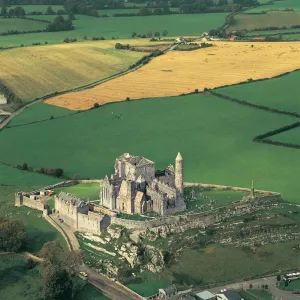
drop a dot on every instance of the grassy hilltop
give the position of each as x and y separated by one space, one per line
214 136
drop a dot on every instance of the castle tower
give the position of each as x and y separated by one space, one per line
179 173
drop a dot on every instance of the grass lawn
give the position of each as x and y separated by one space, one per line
149 288
13 176
256 21
40 8
290 136
276 5
39 111
217 263
213 135
39 231
17 281
84 191
33 72
90 293
269 93
293 285
264 295
201 200
122 27
20 24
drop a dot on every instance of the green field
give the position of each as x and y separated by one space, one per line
13 176
40 8
40 111
213 135
39 231
272 32
220 264
18 282
90 293
281 93
20 24
84 191
149 288
263 295
276 5
256 21
290 136
122 27
202 199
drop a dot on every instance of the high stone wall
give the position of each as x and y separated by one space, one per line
35 204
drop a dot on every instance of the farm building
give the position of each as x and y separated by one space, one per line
205 295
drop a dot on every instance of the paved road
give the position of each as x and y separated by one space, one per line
256 283
102 283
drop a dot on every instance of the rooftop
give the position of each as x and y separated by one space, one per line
206 295
72 199
135 160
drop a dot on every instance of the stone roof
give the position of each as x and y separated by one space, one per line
135 160
71 199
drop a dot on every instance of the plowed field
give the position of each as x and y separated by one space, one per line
182 72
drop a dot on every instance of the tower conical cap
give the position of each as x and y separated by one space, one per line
179 157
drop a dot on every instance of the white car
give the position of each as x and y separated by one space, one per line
83 274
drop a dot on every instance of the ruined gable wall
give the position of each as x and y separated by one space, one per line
147 171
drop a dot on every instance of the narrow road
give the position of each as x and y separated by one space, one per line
277 293
102 283
4 123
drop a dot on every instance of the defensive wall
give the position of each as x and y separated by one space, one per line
94 222
229 188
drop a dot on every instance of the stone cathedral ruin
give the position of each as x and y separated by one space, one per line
136 188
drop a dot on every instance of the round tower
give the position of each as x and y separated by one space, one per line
179 173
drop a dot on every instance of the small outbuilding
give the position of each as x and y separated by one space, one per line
168 292
205 295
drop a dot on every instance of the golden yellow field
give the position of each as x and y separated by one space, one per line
33 72
183 72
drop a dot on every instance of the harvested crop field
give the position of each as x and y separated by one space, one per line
37 71
182 72
270 19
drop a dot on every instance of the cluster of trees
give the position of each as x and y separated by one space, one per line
60 24
150 34
58 270
17 12
31 2
13 236
57 172
201 6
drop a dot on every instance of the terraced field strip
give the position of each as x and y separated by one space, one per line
276 5
177 72
7 24
270 19
34 72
